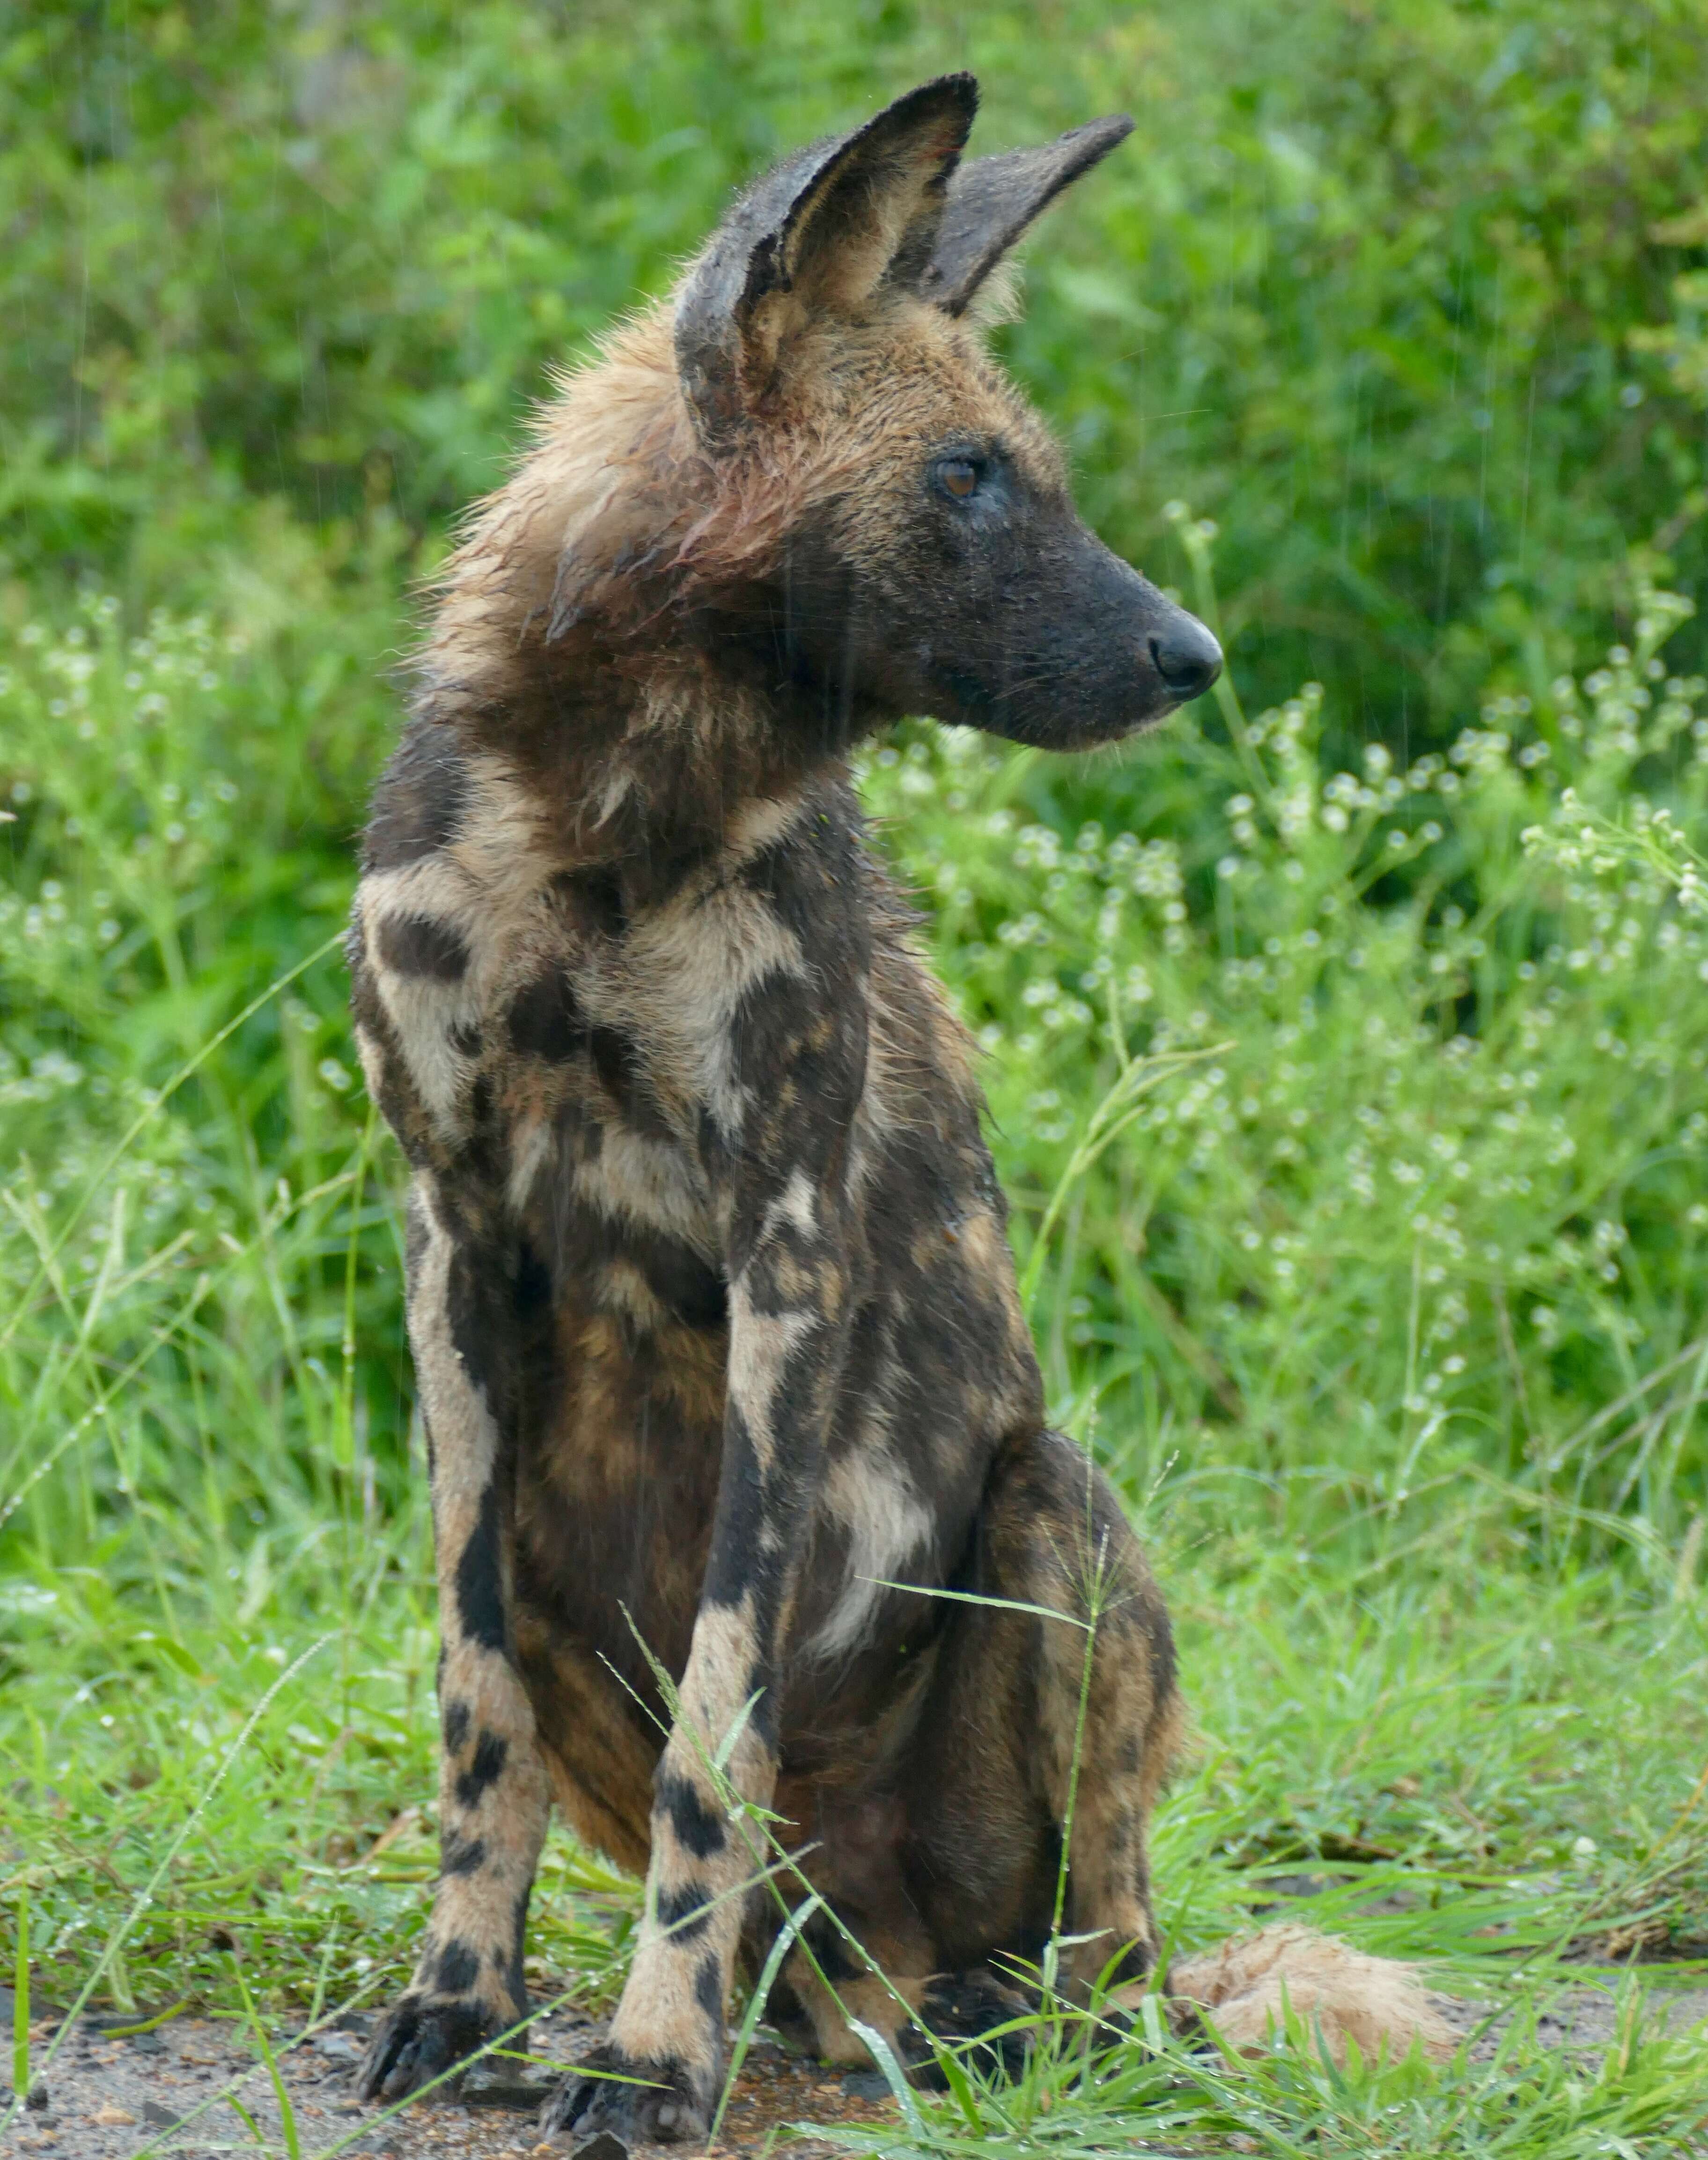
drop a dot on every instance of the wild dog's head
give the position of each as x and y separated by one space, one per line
926 555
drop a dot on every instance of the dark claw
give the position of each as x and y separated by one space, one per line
1183 2018
604 2114
418 2038
968 2005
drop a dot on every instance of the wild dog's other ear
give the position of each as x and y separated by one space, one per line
994 199
815 235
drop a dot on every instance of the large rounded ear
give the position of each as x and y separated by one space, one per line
815 235
992 201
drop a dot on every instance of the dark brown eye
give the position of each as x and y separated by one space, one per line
959 476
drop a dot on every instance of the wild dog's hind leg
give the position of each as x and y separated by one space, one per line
819 1998
996 1768
986 1786
867 1959
493 1792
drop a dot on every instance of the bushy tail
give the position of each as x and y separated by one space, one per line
1244 1987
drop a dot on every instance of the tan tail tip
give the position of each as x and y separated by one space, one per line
1246 1987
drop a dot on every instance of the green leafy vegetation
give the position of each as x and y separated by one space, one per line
1406 297
1347 1043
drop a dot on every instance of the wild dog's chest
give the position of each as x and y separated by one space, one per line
573 1048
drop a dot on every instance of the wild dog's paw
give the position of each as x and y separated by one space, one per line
1186 2021
418 2037
1122 2023
958 2006
639 2103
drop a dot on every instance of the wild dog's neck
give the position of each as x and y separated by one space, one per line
657 788
613 624
642 764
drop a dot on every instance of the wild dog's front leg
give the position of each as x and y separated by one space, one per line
493 1792
789 1300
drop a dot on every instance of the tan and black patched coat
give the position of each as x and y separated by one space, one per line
714 1322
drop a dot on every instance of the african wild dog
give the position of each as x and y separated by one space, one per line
713 1316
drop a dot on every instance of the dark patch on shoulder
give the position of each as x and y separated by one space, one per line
593 899
683 1283
713 1150
456 1726
771 875
533 1292
459 1969
544 1020
491 1752
624 1078
462 1856
424 946
580 1133
421 801
480 1584
811 875
697 1829
802 1047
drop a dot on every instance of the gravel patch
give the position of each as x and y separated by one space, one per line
1585 2019
191 2090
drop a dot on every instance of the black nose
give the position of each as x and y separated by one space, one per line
1186 656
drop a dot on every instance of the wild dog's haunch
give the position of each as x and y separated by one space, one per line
714 1322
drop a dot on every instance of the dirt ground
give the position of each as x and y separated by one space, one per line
194 2088
178 2090
1586 2018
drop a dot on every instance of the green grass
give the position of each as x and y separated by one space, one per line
1526 2101
1356 1126
1409 296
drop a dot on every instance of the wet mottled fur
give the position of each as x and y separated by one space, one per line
714 1322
